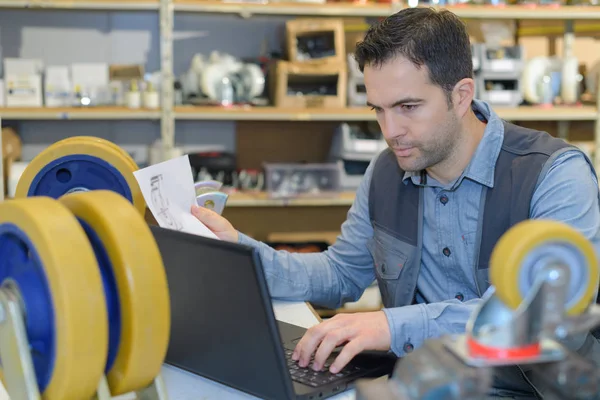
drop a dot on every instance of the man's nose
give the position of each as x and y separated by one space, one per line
393 127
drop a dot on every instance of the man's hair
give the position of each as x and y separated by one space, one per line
436 39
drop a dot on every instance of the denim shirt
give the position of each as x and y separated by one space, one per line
446 287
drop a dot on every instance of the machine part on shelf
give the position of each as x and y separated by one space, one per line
209 196
139 317
251 180
54 333
544 276
80 164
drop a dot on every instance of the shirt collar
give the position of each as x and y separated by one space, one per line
482 165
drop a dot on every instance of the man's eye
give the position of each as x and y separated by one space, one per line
409 107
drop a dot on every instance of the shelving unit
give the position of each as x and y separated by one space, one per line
168 114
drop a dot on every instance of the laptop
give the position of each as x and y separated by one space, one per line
223 326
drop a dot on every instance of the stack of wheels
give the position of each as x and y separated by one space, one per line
529 246
94 292
81 164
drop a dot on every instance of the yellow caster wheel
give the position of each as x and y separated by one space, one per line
79 164
530 245
47 262
135 287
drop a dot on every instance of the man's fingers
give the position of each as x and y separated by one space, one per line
331 340
348 352
208 217
309 342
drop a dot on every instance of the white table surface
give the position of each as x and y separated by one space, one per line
182 385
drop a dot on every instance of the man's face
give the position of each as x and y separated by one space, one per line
413 114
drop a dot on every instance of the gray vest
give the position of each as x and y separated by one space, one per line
396 210
396 214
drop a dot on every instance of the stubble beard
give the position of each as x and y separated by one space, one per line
438 150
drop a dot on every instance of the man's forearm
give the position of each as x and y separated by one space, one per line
304 276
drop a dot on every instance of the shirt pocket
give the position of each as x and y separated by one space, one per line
388 263
390 259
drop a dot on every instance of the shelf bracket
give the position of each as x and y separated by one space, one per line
167 117
1 165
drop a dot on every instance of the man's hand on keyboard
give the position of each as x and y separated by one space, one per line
359 331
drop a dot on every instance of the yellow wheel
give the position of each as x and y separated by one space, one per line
530 245
126 155
135 286
81 163
46 256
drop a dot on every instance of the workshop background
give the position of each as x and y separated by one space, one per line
263 96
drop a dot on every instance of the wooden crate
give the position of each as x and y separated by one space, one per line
290 77
329 29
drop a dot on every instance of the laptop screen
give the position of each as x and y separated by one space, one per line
222 323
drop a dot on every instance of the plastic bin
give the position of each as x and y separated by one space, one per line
302 180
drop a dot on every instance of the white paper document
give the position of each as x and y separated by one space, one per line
168 188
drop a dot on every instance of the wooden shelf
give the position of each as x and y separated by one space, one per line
535 12
74 113
576 113
249 113
82 4
383 9
291 8
261 199
207 113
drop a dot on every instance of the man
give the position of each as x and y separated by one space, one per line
432 206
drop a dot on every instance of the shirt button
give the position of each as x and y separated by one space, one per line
446 251
444 199
459 296
383 267
408 347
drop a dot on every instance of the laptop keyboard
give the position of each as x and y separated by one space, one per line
313 378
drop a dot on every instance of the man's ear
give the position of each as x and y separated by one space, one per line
462 95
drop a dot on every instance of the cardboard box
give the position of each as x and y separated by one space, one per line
23 82
311 40
57 87
300 85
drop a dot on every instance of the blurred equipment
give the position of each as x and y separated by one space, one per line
222 80
357 92
353 147
214 165
551 80
545 277
302 180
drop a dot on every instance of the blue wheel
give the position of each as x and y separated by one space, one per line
81 164
48 262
